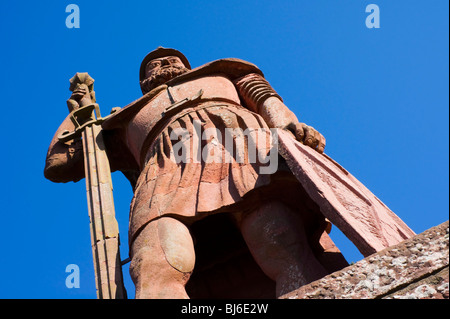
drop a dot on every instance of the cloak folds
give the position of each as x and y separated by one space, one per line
342 199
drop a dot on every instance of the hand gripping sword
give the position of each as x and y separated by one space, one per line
103 224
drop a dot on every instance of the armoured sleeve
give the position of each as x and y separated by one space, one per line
254 90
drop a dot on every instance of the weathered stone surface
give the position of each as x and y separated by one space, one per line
414 269
434 286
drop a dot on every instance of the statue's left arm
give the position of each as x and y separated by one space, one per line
260 97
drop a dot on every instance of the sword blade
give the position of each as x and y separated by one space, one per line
103 224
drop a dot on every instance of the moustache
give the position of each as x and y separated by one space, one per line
161 76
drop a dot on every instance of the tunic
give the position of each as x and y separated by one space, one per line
201 152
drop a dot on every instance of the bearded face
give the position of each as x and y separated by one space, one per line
159 71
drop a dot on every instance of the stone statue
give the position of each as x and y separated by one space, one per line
186 147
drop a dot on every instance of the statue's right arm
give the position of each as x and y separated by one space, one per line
64 162
259 96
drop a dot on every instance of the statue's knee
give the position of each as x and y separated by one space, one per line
177 245
162 259
163 247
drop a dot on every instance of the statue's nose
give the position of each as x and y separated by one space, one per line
164 62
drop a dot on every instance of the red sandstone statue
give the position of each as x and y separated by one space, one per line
282 216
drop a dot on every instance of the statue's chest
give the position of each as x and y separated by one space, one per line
201 89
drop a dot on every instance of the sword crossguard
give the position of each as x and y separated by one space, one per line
82 118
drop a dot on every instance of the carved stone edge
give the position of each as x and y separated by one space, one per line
416 268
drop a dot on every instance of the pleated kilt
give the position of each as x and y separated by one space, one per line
210 177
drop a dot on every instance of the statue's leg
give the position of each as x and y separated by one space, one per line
276 238
162 260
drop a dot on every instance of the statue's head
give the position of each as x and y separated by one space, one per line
161 65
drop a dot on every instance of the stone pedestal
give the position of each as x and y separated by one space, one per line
417 268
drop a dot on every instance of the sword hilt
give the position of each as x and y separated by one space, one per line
82 118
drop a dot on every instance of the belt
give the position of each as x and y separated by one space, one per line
177 110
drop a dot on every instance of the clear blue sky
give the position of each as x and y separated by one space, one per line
379 96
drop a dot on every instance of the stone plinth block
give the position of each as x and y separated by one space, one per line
416 268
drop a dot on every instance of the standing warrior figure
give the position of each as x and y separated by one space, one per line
283 226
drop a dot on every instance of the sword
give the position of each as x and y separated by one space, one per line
104 228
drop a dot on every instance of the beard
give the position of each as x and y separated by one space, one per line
160 77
